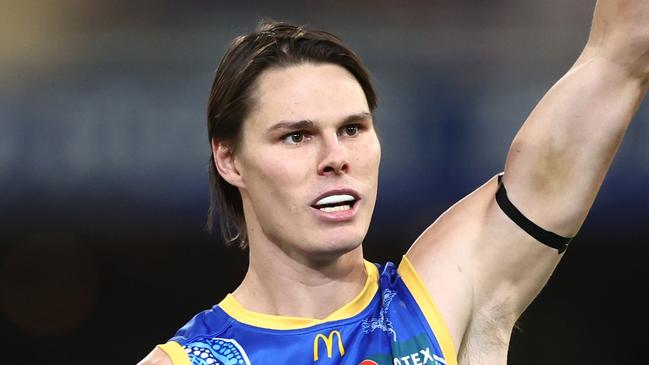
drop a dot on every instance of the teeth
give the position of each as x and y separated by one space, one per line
336 209
335 199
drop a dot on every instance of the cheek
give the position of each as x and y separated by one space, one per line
272 176
369 158
377 154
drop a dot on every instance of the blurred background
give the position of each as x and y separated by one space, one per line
104 151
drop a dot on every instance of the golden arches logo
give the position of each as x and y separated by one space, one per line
328 341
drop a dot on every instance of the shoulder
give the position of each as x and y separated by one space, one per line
210 322
156 357
446 257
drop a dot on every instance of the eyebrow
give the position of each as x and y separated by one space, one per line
309 124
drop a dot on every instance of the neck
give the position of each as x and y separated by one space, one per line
278 284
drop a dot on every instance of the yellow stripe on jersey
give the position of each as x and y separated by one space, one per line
235 310
175 352
416 287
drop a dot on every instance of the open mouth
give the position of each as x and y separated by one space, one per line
335 203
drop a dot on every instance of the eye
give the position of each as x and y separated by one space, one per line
351 130
294 137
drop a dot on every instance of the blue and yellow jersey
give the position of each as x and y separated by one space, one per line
393 321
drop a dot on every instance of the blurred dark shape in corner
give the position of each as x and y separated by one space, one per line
48 284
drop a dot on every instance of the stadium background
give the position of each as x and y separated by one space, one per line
103 155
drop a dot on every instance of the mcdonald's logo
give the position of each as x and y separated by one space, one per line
328 341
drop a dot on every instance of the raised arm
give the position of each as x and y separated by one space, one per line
481 268
559 158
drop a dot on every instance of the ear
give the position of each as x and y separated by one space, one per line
225 162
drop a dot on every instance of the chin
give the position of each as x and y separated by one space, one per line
337 245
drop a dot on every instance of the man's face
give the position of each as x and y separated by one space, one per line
308 160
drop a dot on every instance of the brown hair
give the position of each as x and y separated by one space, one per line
273 44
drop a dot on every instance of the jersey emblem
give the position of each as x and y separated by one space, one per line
328 341
382 322
216 351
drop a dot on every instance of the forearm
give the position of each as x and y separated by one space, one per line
558 160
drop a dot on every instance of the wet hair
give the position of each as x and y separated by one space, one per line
272 45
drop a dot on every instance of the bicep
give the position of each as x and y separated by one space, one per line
559 158
475 260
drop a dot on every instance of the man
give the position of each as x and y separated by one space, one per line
295 169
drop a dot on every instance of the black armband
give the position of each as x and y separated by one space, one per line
546 237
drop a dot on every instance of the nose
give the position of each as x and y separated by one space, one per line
334 160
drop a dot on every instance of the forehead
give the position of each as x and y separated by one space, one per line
307 91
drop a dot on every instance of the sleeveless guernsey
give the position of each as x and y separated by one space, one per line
393 321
